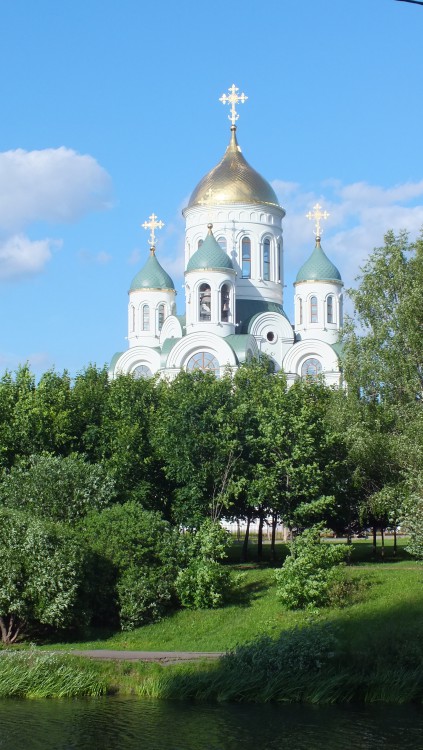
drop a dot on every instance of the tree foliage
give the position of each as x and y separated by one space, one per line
42 572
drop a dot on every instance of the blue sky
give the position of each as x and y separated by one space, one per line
110 111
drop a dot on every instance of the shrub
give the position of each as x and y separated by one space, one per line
135 562
144 596
309 573
42 573
204 582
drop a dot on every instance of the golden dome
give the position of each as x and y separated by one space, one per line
233 181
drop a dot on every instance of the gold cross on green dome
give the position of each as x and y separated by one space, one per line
152 225
317 214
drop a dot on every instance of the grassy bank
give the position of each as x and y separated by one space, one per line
34 674
369 651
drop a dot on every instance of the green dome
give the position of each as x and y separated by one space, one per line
209 255
318 267
152 276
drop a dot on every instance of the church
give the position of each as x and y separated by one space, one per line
234 285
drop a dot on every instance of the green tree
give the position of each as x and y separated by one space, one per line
42 574
195 439
135 555
384 341
57 488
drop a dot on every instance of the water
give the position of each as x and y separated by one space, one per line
133 724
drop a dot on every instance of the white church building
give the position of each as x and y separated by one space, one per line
234 286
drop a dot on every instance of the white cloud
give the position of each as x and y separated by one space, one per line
101 258
52 185
21 257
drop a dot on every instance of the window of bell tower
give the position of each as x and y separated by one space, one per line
225 304
204 300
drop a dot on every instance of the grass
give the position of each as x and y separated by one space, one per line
379 636
31 674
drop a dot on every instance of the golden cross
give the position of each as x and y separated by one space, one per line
317 214
233 98
152 225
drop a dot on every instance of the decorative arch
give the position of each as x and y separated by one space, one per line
310 349
196 342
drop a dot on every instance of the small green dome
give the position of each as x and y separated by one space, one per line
209 255
318 267
152 276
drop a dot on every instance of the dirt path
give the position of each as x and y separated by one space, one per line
162 657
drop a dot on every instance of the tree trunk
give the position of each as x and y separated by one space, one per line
382 538
244 550
273 542
395 541
9 629
260 537
374 540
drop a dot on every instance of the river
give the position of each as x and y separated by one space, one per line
134 724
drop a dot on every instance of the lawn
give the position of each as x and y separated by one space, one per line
390 601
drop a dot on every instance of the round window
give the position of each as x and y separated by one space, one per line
142 371
270 336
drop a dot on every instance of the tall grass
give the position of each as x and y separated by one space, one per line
26 674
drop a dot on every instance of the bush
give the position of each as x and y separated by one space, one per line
42 576
204 582
144 596
135 563
310 572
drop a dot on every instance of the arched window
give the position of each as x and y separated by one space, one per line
160 316
142 371
313 310
311 368
203 361
133 317
278 260
246 258
204 301
329 309
266 259
145 318
200 242
300 312
225 303
223 244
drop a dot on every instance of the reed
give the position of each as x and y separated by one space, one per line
29 674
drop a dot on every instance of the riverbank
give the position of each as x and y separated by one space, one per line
371 650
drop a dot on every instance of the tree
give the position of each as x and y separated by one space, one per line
383 366
57 488
134 564
194 437
42 574
384 342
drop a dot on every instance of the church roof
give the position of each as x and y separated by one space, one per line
152 275
209 255
247 309
233 181
318 267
